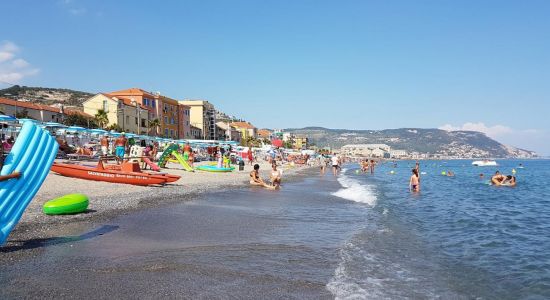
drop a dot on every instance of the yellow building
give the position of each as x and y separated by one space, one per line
129 115
246 129
300 142
203 116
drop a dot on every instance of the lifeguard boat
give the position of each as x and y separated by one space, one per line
128 172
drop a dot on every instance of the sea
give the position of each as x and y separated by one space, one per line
352 236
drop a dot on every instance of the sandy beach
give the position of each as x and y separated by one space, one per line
108 200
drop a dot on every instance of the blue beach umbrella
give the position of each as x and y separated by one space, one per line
76 128
7 118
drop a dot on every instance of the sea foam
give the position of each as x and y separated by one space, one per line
352 189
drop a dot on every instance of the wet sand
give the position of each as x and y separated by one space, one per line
244 243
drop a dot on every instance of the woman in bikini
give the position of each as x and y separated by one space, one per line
275 176
414 182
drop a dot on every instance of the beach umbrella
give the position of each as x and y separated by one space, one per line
26 120
277 143
7 118
75 128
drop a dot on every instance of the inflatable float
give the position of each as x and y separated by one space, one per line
166 155
182 162
32 155
209 168
68 204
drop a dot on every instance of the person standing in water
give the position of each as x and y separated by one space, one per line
335 164
414 182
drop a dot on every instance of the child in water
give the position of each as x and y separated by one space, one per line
414 182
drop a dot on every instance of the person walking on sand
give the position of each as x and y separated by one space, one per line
250 156
104 145
414 182
120 146
335 164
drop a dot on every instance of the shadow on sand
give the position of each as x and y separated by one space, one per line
46 242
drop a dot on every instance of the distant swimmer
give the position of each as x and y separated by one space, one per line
414 182
450 174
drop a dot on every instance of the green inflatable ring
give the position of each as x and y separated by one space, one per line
68 204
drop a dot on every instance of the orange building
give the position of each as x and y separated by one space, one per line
163 108
169 116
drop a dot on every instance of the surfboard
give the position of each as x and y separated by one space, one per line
32 155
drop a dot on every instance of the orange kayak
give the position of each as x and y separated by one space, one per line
128 173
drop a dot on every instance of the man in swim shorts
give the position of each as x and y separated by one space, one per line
104 145
120 146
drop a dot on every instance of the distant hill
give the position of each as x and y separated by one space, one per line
48 96
434 141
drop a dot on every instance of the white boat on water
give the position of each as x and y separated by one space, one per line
485 163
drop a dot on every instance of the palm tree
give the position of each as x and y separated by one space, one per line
101 118
154 124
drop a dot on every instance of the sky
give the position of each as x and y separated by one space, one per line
471 64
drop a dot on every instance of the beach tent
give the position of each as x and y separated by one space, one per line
277 143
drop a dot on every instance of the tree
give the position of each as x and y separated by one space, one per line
79 120
22 114
114 127
101 118
154 124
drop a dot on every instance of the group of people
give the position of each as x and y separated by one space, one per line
503 180
274 177
367 165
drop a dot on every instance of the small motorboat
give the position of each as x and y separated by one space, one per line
127 172
485 163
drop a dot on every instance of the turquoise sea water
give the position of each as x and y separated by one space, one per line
458 237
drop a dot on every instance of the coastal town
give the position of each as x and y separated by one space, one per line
141 112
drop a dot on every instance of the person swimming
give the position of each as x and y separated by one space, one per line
497 179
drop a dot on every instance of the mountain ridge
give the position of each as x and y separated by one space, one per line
437 142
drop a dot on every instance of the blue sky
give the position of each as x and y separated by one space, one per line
481 65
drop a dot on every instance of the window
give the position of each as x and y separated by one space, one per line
172 121
166 131
127 119
145 101
143 123
165 119
165 107
105 106
171 132
152 103
187 123
136 120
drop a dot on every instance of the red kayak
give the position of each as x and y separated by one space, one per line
128 172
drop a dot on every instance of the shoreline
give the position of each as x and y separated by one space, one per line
110 200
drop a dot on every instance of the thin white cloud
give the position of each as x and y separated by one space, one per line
532 139
491 131
12 68
77 11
